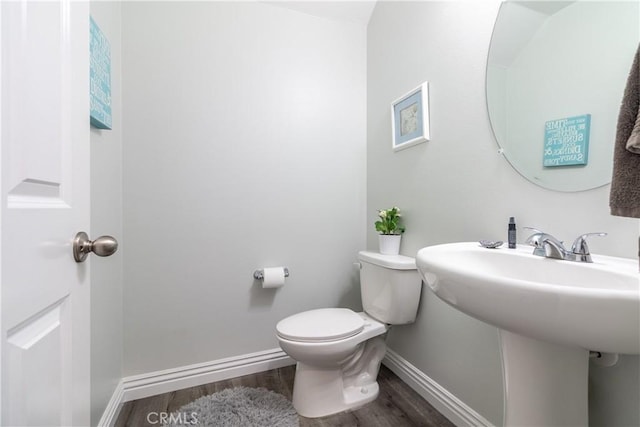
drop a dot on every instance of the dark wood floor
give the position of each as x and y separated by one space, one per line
396 406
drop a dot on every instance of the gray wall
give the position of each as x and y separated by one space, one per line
457 188
246 147
106 218
245 129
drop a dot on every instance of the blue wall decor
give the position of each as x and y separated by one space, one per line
566 141
100 78
410 118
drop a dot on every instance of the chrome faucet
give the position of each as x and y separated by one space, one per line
548 246
540 239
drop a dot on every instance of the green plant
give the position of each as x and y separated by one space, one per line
389 222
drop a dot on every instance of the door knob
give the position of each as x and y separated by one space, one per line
102 246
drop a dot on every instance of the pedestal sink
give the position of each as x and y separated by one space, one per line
550 314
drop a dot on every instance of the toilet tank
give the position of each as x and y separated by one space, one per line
390 286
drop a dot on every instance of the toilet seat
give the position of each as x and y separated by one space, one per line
321 325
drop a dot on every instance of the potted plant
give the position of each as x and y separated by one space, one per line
390 231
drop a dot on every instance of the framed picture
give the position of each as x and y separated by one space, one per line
410 118
100 115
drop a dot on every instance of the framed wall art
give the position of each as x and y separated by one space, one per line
99 78
410 118
566 141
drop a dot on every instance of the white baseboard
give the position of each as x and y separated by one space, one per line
440 398
145 385
152 383
111 412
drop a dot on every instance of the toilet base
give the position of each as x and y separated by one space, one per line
320 392
334 376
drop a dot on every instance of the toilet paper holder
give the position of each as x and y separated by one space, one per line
259 274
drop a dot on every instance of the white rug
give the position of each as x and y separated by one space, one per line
237 407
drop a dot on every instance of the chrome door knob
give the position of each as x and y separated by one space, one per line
102 246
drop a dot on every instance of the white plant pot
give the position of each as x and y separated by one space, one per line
389 244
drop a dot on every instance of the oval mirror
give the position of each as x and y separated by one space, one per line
556 72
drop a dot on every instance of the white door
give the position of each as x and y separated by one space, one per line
45 200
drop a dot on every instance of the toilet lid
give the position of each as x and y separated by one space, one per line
325 324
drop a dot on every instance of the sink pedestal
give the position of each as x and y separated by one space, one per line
545 384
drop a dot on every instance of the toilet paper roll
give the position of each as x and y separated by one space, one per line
273 277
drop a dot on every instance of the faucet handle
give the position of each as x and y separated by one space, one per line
535 230
580 246
534 239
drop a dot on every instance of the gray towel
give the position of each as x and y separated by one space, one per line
633 143
624 198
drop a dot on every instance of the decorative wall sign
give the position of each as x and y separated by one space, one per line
100 78
410 118
566 141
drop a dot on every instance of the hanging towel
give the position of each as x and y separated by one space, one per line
624 199
633 143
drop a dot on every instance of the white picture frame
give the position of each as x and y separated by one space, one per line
410 118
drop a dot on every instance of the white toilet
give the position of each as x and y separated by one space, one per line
338 350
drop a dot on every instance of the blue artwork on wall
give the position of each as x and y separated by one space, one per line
566 141
100 78
410 118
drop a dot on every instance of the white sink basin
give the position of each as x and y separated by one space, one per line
549 312
595 306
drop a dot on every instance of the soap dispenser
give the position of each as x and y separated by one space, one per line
511 233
